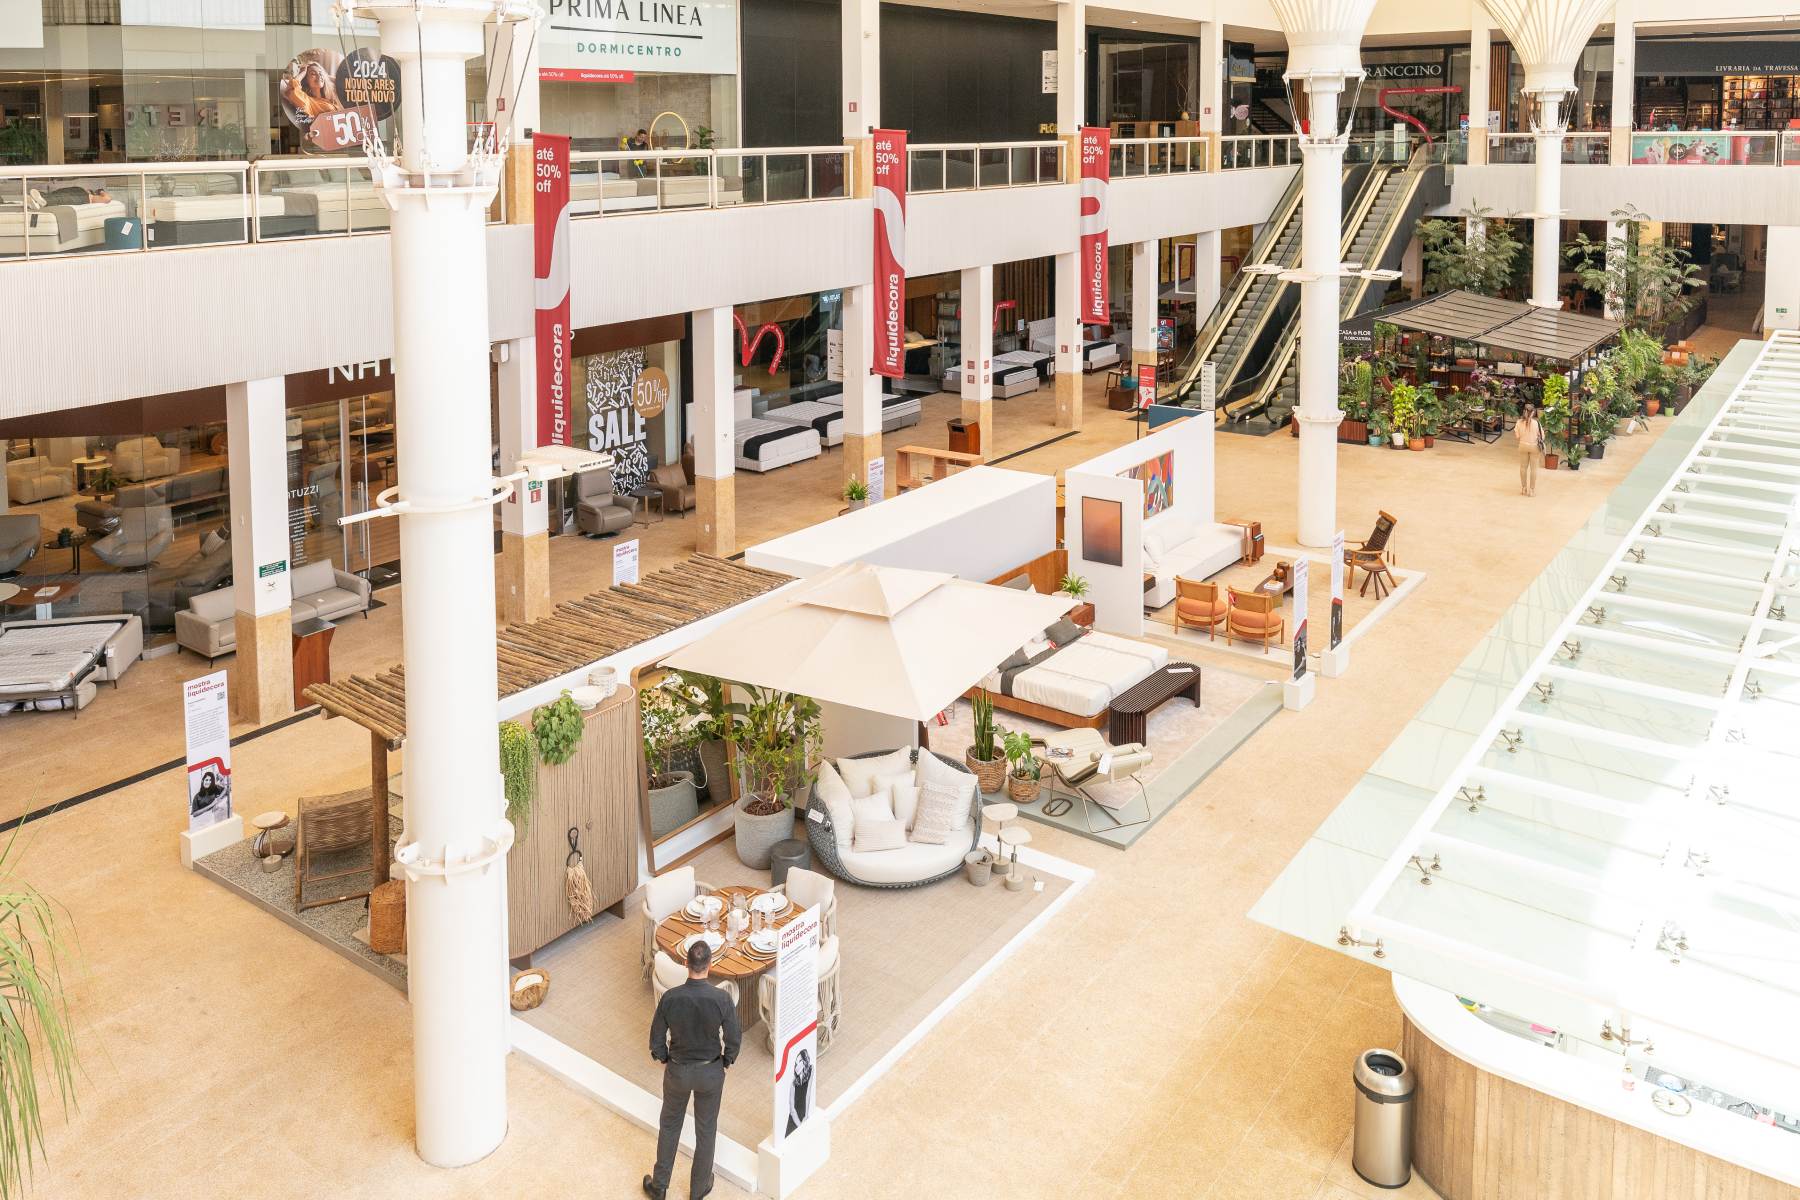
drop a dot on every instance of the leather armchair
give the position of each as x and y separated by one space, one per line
207 568
144 458
672 482
102 516
18 539
598 509
29 480
143 534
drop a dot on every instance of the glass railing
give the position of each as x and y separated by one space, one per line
316 197
53 211
624 181
1135 157
972 166
1259 150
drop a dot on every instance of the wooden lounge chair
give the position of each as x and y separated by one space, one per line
1200 605
1255 616
330 824
1374 556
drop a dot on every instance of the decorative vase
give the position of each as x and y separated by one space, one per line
1653 406
979 866
718 778
1415 443
1375 439
606 679
857 504
756 834
990 774
674 804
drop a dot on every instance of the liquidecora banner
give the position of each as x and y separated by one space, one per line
1096 153
890 252
550 221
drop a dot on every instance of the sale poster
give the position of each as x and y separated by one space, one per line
890 252
1096 151
550 273
1337 589
1302 568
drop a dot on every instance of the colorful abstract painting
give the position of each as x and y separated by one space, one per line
1158 477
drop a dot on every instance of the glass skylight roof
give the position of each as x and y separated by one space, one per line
1605 796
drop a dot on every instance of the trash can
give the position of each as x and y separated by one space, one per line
1382 1150
965 436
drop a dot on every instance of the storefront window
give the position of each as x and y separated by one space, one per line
632 402
1153 82
783 348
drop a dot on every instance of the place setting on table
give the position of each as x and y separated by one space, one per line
740 924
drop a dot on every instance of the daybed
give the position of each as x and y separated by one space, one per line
56 663
1176 546
911 865
1073 683
763 445
56 228
208 625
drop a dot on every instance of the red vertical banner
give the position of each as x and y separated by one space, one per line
1096 154
550 270
890 252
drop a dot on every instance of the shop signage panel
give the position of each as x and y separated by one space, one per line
335 100
890 252
876 477
1049 71
625 562
1301 569
1337 589
614 422
682 37
1697 149
1717 56
834 355
550 245
796 1092
585 75
1146 384
206 706
1405 71
1096 151
341 382
650 393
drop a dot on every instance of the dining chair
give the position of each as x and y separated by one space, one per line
807 888
1199 604
831 1001
663 895
667 973
1255 617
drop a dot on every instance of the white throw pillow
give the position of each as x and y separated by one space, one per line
860 774
836 798
906 801
880 835
933 771
872 809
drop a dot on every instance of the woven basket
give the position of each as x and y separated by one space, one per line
387 918
1021 788
989 776
528 988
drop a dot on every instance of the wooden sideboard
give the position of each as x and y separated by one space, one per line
596 793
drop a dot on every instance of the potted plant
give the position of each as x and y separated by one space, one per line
1594 425
518 775
1022 778
667 731
856 493
776 746
1431 414
1405 400
711 717
1555 417
1381 427
38 1055
983 756
1354 397
1074 586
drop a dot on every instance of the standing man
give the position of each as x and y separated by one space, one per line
695 1036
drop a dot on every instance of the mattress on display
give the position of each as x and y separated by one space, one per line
763 445
45 660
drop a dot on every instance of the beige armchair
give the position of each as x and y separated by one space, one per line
29 480
807 888
144 458
667 973
677 493
18 539
1090 760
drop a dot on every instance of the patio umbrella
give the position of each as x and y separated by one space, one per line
884 639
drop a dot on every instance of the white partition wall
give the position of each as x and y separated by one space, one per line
1103 529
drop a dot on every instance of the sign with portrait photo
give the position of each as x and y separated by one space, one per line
1302 569
206 705
796 1024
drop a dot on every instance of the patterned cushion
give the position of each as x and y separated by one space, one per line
880 835
931 770
936 819
860 774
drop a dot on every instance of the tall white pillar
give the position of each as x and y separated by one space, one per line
1480 53
715 460
1146 285
262 673
1071 74
1624 80
977 303
1212 88
1067 305
525 517
1208 259
513 100
1321 217
1546 227
1071 115
453 850
861 30
1781 279
862 388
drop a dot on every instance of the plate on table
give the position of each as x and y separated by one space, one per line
763 941
771 903
702 907
713 940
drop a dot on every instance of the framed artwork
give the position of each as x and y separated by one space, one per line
1158 478
1103 531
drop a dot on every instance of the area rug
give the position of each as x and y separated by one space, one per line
904 952
1187 742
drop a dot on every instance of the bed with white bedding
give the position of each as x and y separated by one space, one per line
1043 364
1074 684
763 445
826 417
59 660
1098 355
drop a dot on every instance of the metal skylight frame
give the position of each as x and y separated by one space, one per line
1760 422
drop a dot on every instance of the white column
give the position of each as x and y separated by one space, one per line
1067 303
453 851
861 26
1624 80
1071 74
714 417
862 388
1321 217
1781 286
525 517
1480 51
262 673
1071 115
1146 283
1212 88
1546 228
1208 257
977 292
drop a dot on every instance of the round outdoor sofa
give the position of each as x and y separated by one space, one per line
914 865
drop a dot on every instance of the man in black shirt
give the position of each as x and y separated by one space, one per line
695 1036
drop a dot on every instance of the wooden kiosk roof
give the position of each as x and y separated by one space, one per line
1507 325
579 632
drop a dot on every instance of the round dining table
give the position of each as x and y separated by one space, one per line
734 962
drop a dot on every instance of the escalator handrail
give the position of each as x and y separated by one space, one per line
1209 334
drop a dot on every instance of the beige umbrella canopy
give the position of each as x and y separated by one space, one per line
888 640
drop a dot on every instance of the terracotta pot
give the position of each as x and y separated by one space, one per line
1430 440
1417 443
989 775
1653 406
1550 461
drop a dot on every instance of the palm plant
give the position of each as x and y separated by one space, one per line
37 1045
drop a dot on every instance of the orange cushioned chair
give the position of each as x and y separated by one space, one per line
1255 617
1200 605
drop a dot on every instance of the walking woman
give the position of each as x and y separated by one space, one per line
1531 446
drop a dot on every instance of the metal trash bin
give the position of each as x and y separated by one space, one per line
1382 1150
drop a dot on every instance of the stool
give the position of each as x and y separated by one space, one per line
785 857
122 233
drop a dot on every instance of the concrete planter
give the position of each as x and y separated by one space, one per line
756 835
674 805
718 778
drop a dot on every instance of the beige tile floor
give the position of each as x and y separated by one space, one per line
1155 1043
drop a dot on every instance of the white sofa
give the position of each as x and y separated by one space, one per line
141 458
1177 545
208 625
29 480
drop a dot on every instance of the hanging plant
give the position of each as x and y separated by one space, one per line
518 770
557 727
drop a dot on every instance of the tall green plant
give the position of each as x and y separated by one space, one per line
664 716
981 706
1472 251
777 747
37 1042
1403 403
1643 279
